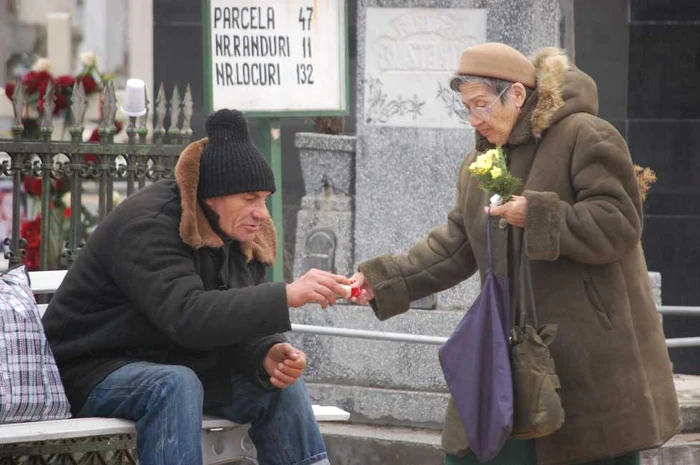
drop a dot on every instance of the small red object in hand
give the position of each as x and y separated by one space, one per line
351 291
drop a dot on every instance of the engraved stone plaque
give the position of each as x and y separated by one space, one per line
411 54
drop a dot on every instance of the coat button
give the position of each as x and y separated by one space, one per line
503 223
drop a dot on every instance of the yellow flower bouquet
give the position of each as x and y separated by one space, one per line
493 175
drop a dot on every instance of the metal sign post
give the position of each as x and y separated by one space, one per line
273 59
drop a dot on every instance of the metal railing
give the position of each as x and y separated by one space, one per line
679 310
76 163
439 340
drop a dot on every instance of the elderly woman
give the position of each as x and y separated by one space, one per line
580 215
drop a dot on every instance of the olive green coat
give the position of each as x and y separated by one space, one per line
584 222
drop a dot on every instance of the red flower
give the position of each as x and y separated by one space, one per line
43 86
61 103
36 81
32 185
65 81
95 136
31 232
66 212
89 83
10 89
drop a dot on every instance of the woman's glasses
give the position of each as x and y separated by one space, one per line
482 113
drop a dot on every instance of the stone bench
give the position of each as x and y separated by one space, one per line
112 440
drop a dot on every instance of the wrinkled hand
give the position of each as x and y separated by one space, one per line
316 286
284 364
514 211
359 281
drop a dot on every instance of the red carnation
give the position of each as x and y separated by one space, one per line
89 83
36 81
43 86
10 89
61 102
30 82
31 232
32 185
65 81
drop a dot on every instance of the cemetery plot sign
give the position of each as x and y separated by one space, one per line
276 57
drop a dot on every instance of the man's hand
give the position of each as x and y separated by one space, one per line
514 211
358 281
284 364
317 286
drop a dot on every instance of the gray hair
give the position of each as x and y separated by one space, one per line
495 84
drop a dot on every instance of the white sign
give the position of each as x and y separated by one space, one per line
277 56
411 55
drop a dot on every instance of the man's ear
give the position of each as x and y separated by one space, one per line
209 203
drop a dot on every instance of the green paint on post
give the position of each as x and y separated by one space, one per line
270 144
206 31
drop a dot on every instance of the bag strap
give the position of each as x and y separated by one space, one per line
489 252
525 294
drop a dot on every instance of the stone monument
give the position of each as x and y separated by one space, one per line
324 237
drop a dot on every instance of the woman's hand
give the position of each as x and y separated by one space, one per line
514 211
358 281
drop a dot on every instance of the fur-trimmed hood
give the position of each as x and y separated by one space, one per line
195 229
562 89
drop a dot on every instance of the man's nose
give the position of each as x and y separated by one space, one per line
261 213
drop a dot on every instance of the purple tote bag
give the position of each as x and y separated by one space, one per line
476 365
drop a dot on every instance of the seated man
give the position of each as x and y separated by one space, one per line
167 314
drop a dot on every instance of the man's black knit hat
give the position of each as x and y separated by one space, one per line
231 163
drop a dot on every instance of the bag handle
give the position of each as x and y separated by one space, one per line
524 288
489 254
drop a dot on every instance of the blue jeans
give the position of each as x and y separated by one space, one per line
167 401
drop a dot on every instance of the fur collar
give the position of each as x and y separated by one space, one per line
551 65
195 229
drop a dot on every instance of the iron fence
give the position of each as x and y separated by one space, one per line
77 163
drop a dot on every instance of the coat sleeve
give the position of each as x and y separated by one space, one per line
605 221
156 270
439 261
248 357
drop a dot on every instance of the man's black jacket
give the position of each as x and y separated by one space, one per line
156 283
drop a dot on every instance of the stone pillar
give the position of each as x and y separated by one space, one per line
325 221
59 36
104 32
140 47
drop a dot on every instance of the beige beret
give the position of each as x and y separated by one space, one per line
496 61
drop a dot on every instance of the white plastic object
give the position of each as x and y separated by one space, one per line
134 103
